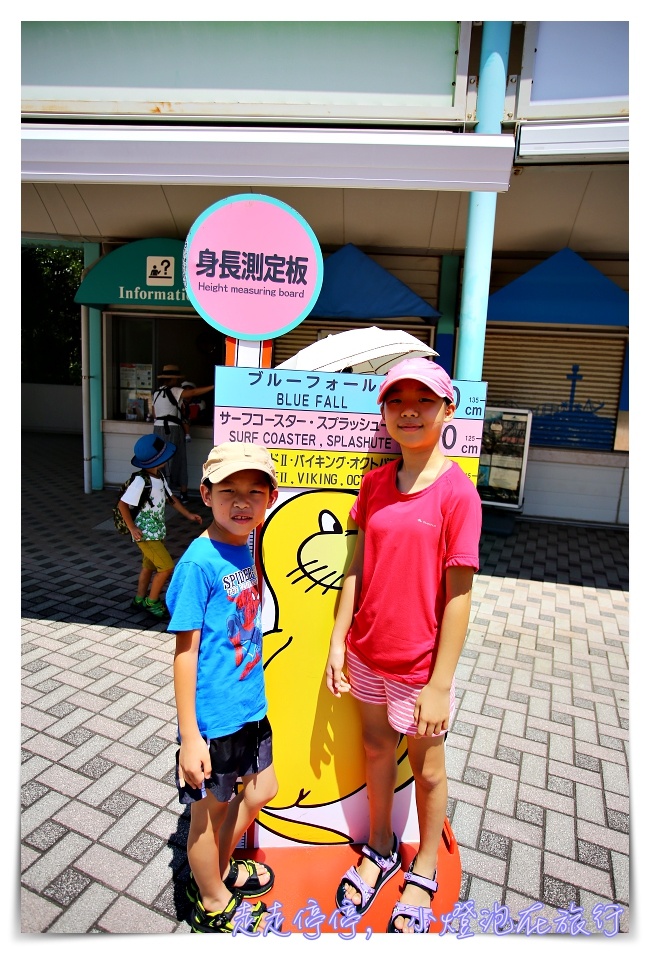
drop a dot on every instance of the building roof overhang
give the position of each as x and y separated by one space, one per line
350 158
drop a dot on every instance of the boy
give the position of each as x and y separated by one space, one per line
223 729
148 529
400 627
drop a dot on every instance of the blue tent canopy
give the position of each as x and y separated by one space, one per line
354 286
562 290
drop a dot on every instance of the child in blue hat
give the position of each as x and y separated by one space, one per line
148 528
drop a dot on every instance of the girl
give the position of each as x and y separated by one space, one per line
400 628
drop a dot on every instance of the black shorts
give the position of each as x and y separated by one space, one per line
242 753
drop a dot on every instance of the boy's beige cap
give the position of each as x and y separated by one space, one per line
226 459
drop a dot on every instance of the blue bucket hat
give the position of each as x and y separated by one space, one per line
150 451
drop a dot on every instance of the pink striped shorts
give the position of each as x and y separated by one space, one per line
398 697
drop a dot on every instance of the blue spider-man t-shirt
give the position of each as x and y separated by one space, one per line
214 589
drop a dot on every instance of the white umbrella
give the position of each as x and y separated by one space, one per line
364 350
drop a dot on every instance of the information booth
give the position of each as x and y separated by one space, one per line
147 321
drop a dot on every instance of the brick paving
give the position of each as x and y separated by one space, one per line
538 755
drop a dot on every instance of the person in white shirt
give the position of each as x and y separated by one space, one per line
168 422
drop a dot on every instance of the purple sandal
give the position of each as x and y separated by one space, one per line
388 866
418 917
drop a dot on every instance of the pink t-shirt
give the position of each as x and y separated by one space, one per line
410 541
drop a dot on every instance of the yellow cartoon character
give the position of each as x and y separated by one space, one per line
306 545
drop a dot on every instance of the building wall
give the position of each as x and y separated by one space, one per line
577 485
250 71
550 204
51 408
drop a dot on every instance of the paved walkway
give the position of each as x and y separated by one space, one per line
537 759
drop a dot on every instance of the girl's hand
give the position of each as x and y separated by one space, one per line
431 713
194 764
337 681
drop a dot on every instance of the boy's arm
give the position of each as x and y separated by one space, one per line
177 505
125 510
194 759
336 679
432 707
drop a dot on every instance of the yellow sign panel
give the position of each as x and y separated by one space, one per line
469 466
311 470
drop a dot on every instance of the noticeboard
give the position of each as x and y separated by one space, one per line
504 453
324 429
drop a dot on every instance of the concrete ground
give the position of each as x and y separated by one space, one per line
537 759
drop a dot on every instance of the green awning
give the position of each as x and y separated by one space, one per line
144 273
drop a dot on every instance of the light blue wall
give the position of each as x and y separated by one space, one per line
304 60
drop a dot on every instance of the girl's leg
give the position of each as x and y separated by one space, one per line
427 759
256 792
206 818
380 747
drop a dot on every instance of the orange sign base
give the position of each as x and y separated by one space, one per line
311 873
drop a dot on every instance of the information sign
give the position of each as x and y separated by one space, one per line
324 429
252 267
504 454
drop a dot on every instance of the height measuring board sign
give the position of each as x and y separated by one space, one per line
324 429
252 267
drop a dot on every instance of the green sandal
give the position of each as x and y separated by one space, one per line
223 922
251 888
156 607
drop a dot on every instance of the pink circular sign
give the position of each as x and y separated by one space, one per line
252 267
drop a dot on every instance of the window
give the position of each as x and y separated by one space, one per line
140 345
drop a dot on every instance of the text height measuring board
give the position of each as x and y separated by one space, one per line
323 429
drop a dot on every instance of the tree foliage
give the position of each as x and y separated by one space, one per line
51 322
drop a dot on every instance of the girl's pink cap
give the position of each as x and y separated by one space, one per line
419 369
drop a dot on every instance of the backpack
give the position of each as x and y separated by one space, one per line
145 498
192 410
166 418
164 392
